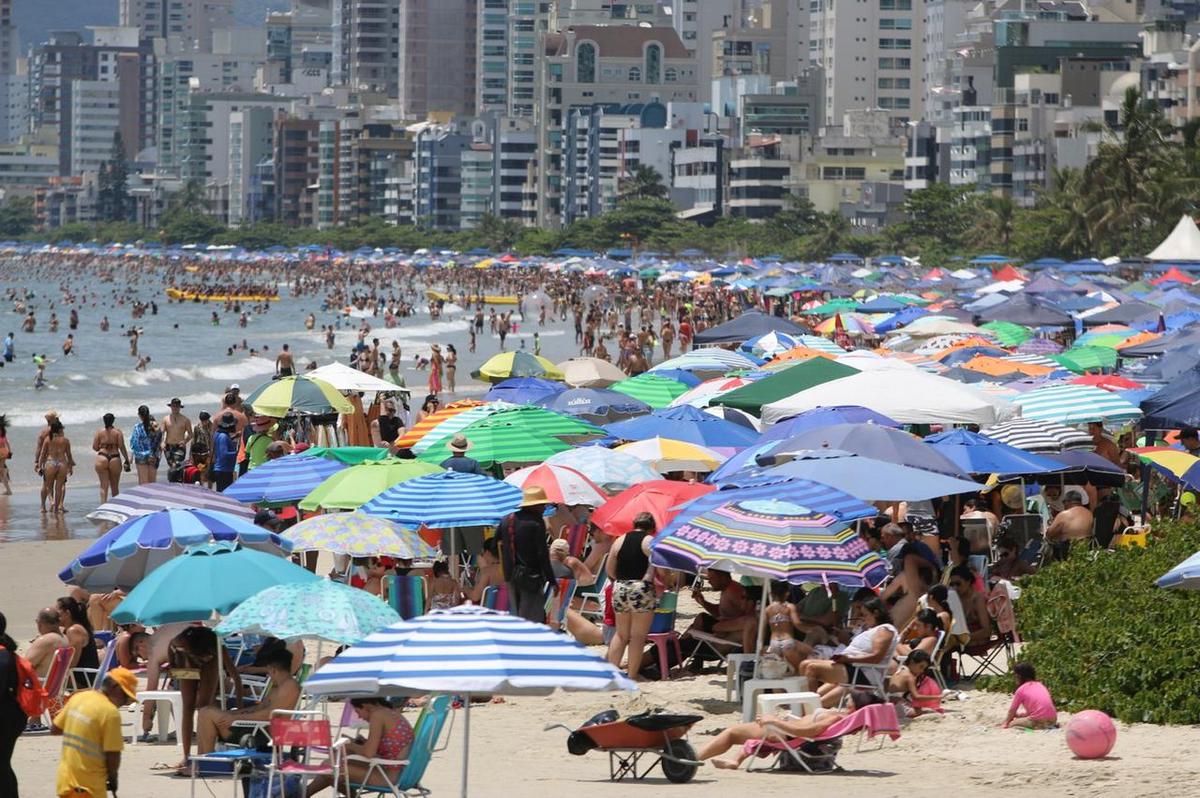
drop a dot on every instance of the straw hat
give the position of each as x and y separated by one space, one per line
534 496
1011 497
459 443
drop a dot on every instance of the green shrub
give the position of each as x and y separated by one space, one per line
1102 635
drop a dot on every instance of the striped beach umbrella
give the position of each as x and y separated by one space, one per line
771 344
446 499
710 389
358 534
125 554
350 488
665 455
495 441
563 485
711 358
1074 404
454 424
1007 333
1082 359
155 496
516 364
287 479
422 427
320 610
770 538
819 343
816 496
611 470
299 394
1042 437
652 389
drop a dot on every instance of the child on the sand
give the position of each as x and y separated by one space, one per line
1032 707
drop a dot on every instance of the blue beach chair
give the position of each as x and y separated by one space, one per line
426 732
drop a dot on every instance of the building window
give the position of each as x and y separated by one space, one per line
585 63
670 75
654 64
635 75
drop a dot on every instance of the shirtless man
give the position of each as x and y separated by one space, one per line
1074 522
177 433
284 365
49 639
979 623
730 616
154 650
1103 445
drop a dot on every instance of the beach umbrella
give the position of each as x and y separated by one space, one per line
978 454
785 383
1039 436
709 389
124 555
863 477
819 343
662 498
1074 404
1185 576
287 479
154 496
1108 382
456 423
773 539
652 389
350 455
523 390
1007 333
417 431
769 345
750 324
735 416
357 534
1089 468
594 405
1039 346
205 579
665 455
816 496
297 394
875 441
685 423
318 610
516 364
609 469
350 488
446 499
1082 359
1177 466
820 417
345 378
497 441
563 485
590 372
465 650
707 359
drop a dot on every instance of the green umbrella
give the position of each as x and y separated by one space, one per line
649 273
353 487
297 395
655 391
208 578
320 610
351 455
536 421
1082 359
782 384
833 306
500 442
1008 333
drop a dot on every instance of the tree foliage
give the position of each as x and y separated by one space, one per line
112 192
16 217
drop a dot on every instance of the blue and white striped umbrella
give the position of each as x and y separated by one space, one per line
125 554
1074 404
770 344
711 358
1186 575
446 499
288 479
819 343
154 496
609 469
466 649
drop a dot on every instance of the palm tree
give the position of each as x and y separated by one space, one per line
643 183
993 226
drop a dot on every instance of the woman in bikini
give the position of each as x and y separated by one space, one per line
109 446
451 367
389 736
784 619
914 680
55 464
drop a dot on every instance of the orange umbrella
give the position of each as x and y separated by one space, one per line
800 353
974 340
1140 338
433 419
996 366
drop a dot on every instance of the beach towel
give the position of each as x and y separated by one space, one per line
406 594
871 720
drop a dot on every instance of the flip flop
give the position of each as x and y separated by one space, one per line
163 766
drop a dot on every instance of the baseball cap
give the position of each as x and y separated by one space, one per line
127 681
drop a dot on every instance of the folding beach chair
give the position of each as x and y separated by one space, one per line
55 685
426 732
83 678
975 530
406 595
819 754
495 598
1003 641
591 603
557 603
300 732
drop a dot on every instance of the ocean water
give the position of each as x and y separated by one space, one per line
188 359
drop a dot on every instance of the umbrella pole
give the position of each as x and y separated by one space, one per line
466 740
762 625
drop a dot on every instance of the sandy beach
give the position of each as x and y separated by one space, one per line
511 754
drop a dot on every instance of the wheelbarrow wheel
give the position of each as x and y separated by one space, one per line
679 772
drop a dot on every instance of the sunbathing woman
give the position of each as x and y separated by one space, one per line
871 647
765 726
784 618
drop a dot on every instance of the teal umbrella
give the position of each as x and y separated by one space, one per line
208 578
320 610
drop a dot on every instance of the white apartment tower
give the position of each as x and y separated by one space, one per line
507 57
366 45
189 21
871 52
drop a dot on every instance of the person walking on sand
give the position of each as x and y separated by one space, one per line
146 443
109 446
436 363
55 464
451 368
177 432
90 725
12 717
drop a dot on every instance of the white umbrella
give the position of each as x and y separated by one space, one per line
344 378
590 372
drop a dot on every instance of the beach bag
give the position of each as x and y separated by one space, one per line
31 696
773 666
283 787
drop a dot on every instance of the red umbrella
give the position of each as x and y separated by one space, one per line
562 485
658 497
1109 382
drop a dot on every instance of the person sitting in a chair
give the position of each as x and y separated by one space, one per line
731 616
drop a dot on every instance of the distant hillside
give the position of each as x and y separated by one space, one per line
36 18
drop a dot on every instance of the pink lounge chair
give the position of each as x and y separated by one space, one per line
819 754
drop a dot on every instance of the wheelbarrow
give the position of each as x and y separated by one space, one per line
638 744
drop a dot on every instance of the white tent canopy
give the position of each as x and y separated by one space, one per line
1183 244
910 397
344 378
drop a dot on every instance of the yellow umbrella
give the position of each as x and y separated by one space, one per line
666 454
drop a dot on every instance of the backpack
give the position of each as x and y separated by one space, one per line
30 695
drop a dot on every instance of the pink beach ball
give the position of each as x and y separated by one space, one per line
1091 734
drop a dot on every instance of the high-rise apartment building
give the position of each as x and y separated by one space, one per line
436 57
872 56
14 82
366 47
9 44
506 50
191 22
300 39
